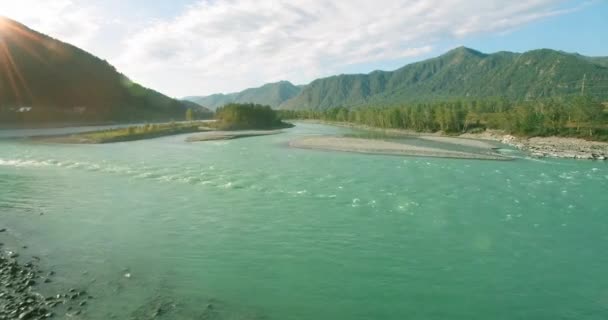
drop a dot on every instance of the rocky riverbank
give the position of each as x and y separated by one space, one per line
552 147
20 297
374 146
229 135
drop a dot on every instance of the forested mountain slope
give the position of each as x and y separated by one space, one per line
459 74
43 80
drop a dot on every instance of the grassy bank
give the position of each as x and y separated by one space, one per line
148 131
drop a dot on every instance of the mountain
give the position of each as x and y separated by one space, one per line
602 61
45 80
462 73
272 94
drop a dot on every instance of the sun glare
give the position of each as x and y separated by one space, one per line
17 82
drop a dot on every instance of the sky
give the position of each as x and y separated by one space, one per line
199 47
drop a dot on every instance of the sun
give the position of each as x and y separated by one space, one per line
14 35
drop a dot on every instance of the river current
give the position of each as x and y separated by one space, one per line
253 229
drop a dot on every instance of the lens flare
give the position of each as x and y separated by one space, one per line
17 40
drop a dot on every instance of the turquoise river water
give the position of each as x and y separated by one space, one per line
252 229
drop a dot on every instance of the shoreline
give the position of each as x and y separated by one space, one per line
152 131
539 147
230 135
20 286
97 137
371 146
548 147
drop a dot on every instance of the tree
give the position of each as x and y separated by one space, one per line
247 116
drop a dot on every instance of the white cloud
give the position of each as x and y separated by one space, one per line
66 20
228 45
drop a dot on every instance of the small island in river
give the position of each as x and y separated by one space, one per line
231 122
235 121
229 135
373 146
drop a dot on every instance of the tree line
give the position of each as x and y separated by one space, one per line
235 116
579 116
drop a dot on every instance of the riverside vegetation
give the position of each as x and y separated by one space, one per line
132 133
329 197
581 117
572 121
231 121
248 116
242 120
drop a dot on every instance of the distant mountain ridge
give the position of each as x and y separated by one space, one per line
272 94
45 80
460 73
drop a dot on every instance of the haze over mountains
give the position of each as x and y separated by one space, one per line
271 94
52 81
459 74
46 80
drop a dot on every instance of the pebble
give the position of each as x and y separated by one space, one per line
18 296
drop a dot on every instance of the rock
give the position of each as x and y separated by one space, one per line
18 300
26 315
508 139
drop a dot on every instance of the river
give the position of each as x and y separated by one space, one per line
252 229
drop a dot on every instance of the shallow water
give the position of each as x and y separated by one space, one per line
262 231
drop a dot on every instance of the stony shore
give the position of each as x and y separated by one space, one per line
228 135
372 146
19 291
552 147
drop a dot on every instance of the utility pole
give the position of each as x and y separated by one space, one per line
583 87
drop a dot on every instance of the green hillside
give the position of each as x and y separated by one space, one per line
272 94
602 61
462 73
43 80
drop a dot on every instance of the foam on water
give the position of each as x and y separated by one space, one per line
259 230
23 163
